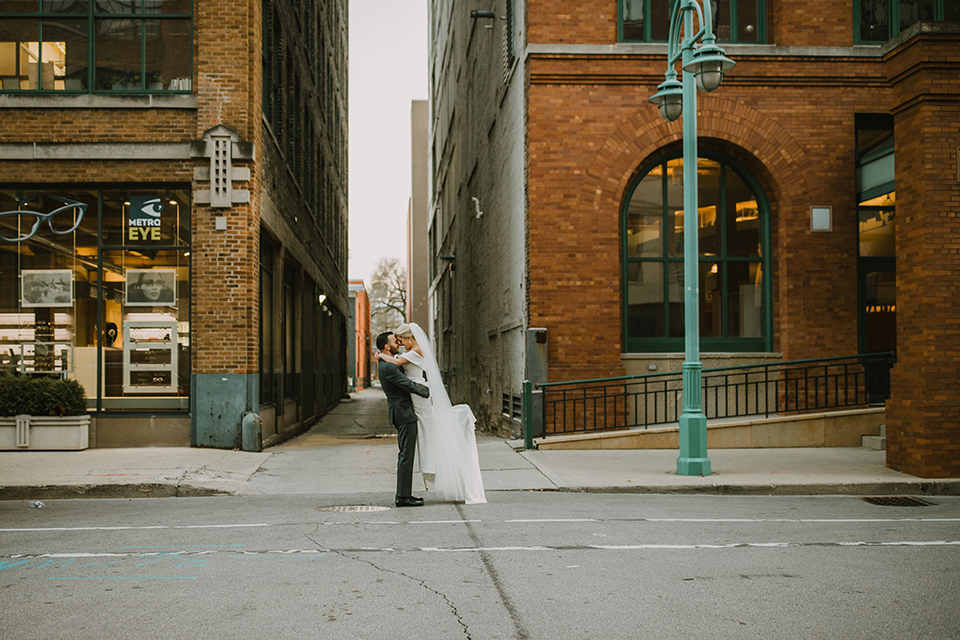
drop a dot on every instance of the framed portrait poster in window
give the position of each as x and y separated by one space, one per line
151 287
46 288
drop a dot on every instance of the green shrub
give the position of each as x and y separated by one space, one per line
41 397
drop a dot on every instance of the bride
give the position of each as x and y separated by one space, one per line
447 444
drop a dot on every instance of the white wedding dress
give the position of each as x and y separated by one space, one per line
446 438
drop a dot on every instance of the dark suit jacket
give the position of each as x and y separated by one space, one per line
398 388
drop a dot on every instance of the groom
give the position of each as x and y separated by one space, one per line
398 388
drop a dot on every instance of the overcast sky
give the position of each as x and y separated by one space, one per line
388 70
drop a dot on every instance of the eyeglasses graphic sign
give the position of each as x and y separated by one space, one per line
143 218
151 287
22 224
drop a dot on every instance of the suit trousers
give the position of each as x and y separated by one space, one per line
407 442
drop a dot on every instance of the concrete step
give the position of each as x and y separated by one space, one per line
878 443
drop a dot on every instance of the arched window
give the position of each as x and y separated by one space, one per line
734 234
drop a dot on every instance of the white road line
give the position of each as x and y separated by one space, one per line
188 555
730 545
824 520
556 520
535 548
778 545
514 521
189 526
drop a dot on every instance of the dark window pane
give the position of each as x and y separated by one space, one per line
167 6
748 27
645 300
675 300
880 311
119 55
874 21
742 218
118 6
912 11
169 45
645 217
711 316
632 19
674 180
660 20
745 299
19 6
708 184
64 54
19 51
63 6
951 10
869 140
721 19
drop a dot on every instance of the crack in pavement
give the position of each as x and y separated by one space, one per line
522 633
422 583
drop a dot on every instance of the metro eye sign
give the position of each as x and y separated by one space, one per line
143 217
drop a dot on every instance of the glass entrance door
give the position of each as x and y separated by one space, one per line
878 309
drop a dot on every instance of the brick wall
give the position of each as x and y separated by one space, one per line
588 135
923 414
810 23
790 23
572 21
227 84
226 263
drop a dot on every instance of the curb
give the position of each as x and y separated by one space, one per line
824 489
143 490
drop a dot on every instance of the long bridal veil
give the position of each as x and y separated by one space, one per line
454 453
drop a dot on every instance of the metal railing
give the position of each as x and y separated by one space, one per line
626 402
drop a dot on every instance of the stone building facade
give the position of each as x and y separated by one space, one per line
205 143
828 198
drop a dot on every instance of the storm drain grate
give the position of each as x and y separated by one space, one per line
354 509
896 501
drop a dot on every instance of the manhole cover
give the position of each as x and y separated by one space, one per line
354 509
896 501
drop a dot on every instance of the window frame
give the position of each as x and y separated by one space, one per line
734 5
92 16
725 343
893 20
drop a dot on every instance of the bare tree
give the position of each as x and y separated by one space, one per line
388 296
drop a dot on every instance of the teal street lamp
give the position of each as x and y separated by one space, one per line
703 68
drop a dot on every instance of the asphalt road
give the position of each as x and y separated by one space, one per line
527 565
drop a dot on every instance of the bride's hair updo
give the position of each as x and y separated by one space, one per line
403 331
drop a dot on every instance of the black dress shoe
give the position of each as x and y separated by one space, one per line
410 502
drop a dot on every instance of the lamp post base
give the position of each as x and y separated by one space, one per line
693 460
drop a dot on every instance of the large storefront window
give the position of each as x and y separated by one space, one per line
733 239
742 21
81 46
95 286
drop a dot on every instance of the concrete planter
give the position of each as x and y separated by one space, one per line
44 433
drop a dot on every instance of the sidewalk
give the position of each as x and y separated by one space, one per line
353 450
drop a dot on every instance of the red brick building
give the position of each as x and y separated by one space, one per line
358 355
205 143
828 202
